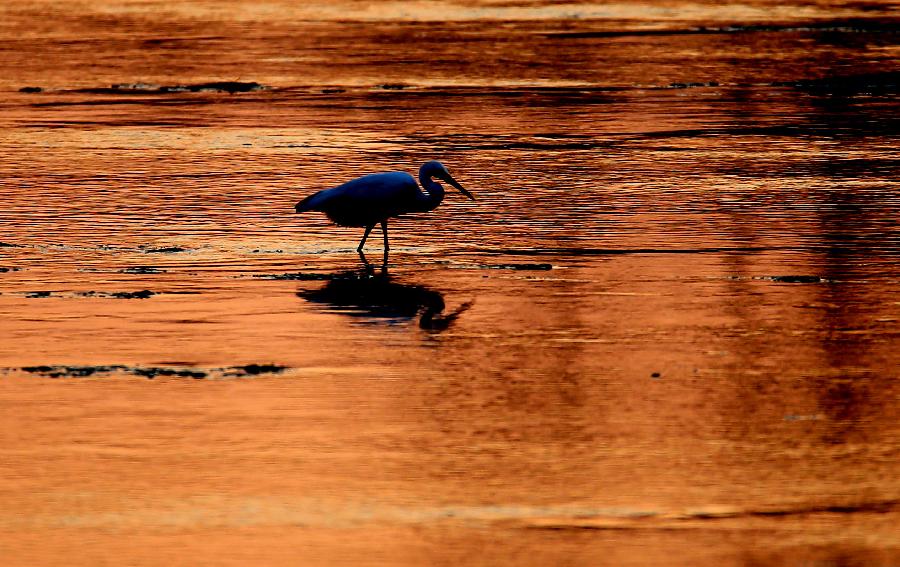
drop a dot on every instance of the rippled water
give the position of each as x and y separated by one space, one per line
665 333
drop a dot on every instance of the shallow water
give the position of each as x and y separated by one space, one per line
665 332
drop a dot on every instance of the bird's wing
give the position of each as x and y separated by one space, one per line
379 189
374 190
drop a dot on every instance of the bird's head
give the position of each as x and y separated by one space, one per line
436 169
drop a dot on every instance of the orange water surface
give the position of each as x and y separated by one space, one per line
665 333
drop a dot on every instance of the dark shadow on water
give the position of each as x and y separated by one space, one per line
839 26
566 251
372 294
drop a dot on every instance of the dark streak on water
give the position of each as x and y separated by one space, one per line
887 26
151 372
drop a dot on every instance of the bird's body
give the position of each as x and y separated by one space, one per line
367 200
372 199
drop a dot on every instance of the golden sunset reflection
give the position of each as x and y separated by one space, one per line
664 332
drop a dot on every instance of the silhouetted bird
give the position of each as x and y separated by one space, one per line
372 199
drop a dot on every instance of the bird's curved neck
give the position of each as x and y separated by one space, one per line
434 192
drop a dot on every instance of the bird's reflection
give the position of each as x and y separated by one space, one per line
372 294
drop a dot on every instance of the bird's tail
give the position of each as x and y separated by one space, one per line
305 205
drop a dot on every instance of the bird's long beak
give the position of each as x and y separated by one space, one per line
449 179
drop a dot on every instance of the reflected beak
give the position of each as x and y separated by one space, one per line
449 179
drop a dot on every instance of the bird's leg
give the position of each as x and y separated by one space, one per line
386 247
384 231
367 267
366 235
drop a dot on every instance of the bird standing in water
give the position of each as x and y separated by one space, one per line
372 199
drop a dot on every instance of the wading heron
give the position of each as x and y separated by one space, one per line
373 199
